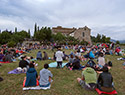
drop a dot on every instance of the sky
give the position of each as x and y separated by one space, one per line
101 16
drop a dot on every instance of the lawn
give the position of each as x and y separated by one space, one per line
64 80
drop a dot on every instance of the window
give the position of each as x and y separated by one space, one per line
83 34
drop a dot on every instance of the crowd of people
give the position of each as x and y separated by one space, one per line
78 53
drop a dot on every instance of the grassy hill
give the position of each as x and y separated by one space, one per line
64 80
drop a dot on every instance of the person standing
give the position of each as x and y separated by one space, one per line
59 57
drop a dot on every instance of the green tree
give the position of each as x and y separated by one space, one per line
5 36
117 42
35 30
15 29
11 44
29 33
59 37
107 40
98 38
103 39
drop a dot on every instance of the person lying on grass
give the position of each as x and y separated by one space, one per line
89 78
45 77
31 78
105 81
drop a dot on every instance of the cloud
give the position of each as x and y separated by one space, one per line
102 16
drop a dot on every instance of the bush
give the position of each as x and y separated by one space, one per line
11 44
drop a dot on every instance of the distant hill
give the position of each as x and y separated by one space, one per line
121 41
112 40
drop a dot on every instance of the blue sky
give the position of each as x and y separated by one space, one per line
102 16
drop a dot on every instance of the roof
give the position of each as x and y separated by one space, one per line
63 30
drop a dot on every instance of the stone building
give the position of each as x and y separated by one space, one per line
80 33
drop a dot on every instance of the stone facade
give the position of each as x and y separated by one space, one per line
80 33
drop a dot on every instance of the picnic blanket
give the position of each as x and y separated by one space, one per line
4 62
54 64
36 88
15 71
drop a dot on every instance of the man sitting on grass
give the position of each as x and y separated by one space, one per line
89 78
45 77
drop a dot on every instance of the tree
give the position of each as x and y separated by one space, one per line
29 33
11 44
15 29
117 42
35 30
103 39
5 37
98 38
93 38
59 37
107 40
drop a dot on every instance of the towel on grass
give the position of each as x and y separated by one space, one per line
54 64
15 71
4 62
36 88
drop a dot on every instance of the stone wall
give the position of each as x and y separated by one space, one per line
78 34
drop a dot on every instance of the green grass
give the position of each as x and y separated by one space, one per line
64 80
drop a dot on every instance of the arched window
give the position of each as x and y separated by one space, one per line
83 34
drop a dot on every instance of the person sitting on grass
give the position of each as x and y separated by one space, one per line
105 81
39 55
45 77
1 79
23 65
45 56
76 63
31 76
101 60
69 64
109 65
89 78
1 56
8 57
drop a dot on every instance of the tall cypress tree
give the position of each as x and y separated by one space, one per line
15 29
29 33
35 30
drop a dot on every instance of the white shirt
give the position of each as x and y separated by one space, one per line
101 61
59 56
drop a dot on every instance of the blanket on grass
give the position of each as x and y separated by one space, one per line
36 88
4 62
54 64
15 71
